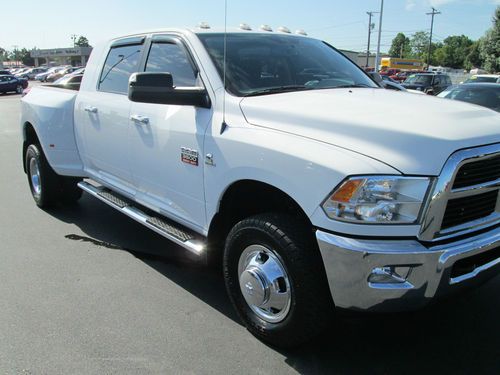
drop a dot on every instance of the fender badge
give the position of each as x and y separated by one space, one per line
189 156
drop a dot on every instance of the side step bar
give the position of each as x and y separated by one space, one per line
175 233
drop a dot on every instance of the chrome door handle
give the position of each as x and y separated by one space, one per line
141 119
91 109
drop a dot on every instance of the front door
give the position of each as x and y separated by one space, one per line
167 141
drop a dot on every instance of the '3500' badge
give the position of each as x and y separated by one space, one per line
189 156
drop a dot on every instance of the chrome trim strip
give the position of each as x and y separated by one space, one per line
477 271
443 191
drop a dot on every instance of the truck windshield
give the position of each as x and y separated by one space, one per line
261 64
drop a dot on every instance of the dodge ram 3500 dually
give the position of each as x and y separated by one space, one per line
313 184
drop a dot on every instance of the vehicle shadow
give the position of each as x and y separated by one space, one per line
460 335
105 227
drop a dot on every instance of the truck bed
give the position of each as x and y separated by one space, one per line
50 111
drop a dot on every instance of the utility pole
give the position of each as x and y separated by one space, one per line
432 14
73 37
377 57
370 27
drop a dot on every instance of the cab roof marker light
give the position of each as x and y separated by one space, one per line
283 29
204 25
266 28
245 26
301 32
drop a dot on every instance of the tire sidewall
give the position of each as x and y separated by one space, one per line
33 152
240 239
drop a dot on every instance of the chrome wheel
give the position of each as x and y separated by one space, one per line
264 283
34 170
19 89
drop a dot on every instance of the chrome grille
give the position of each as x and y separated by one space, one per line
462 210
465 197
478 172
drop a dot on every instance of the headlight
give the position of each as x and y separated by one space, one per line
378 199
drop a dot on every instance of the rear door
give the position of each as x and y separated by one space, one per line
103 116
167 149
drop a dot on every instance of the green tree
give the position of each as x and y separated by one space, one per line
400 46
455 49
419 44
490 47
473 58
3 54
437 55
25 57
82 42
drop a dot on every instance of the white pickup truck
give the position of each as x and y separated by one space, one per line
315 187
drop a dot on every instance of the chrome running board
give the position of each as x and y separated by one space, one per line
184 237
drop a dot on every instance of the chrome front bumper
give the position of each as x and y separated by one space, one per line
397 275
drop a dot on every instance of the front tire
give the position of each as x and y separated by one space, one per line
276 280
47 187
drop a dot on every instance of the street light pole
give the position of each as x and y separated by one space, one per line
377 57
434 12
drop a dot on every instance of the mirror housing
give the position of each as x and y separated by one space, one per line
158 88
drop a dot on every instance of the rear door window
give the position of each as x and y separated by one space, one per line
121 62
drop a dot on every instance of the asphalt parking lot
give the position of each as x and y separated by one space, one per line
85 290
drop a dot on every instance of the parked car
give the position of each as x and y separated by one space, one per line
390 72
21 71
387 83
10 83
69 81
61 73
30 73
428 83
487 78
5 72
484 94
76 72
42 76
315 188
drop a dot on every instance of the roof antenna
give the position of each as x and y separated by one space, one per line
224 124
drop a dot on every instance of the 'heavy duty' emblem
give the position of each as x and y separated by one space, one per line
189 156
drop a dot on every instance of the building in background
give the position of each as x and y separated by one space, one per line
76 56
352 55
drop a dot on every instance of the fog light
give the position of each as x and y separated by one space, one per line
390 277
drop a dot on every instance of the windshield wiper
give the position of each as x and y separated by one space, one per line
353 85
278 89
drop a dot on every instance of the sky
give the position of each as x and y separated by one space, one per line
344 24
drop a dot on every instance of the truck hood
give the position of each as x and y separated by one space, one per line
413 133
